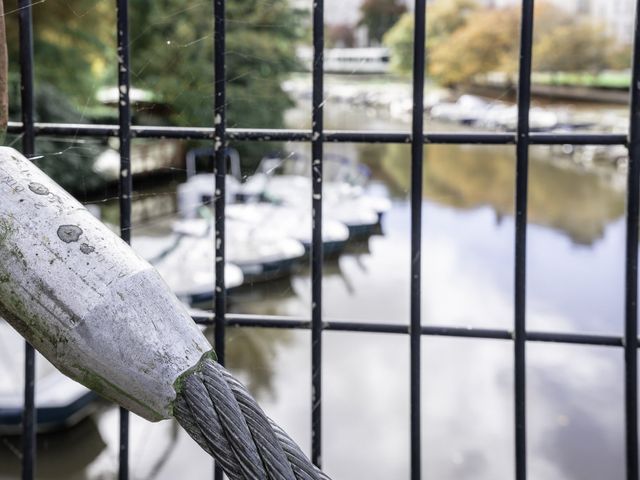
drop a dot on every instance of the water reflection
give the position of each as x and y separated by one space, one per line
574 201
60 455
576 413
90 448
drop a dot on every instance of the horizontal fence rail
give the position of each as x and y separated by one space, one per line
295 323
220 135
329 136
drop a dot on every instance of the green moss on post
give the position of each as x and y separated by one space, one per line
178 385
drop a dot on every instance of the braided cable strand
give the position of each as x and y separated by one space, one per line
224 419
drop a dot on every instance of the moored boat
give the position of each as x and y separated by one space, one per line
292 222
60 402
286 180
187 264
260 253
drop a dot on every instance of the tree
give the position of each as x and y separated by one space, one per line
442 20
72 40
341 35
74 47
464 41
585 47
399 40
379 16
483 45
620 57
171 55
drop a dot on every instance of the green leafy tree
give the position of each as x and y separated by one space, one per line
171 47
399 40
379 16
74 47
172 55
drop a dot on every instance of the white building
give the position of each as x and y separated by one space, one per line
617 17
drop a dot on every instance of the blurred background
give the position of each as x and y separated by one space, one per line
576 234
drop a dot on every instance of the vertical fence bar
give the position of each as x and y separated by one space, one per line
28 147
220 172
417 154
125 184
317 127
522 179
631 267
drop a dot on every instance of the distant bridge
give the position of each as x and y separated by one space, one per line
349 60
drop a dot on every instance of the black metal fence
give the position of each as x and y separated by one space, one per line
317 136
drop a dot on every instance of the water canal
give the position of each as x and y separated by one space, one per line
574 284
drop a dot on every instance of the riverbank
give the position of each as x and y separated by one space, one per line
572 93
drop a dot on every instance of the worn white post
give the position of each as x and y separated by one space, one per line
85 300
105 317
